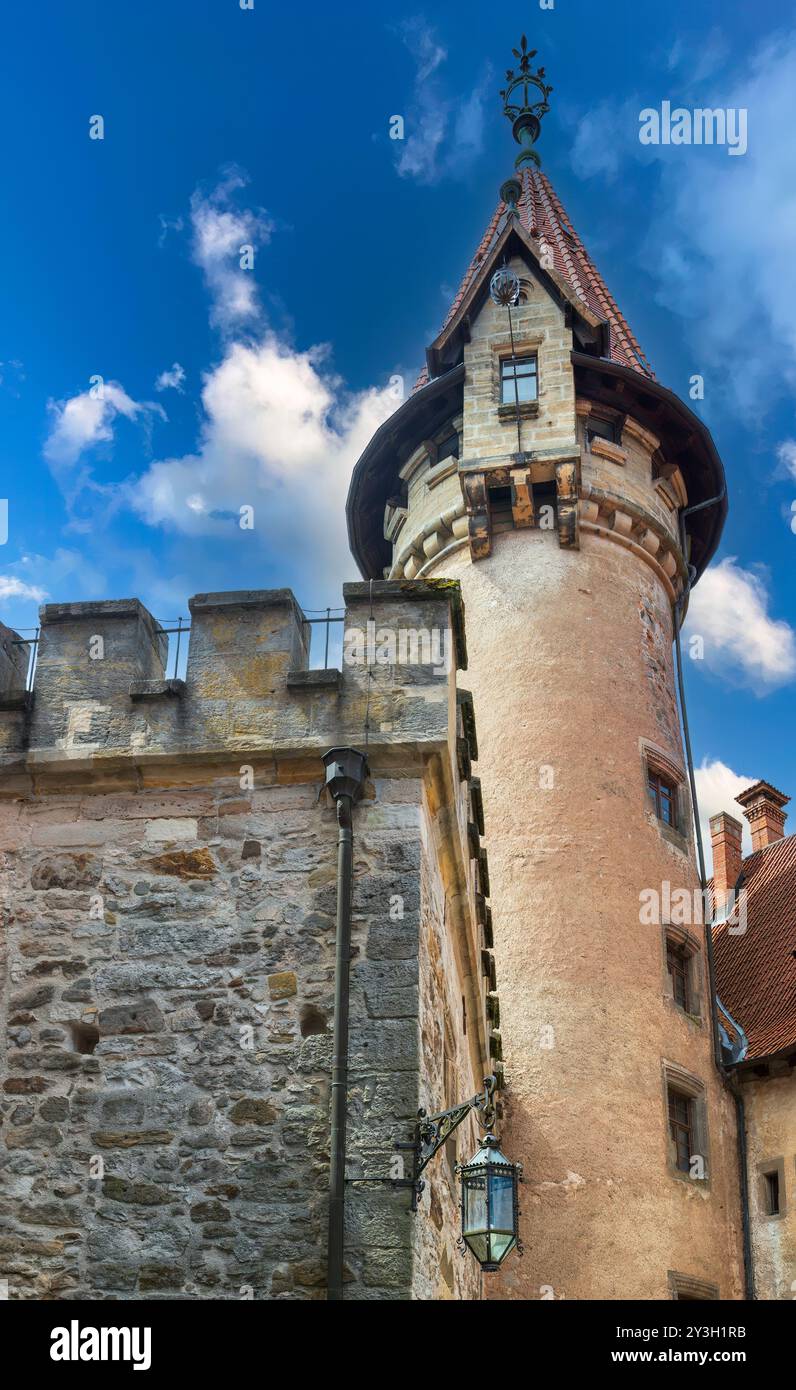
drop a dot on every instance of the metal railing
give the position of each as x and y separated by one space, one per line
177 628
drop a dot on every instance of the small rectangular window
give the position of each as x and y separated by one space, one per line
677 965
681 1122
663 796
449 448
601 429
518 380
771 1181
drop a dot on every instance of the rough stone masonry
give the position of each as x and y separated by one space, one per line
168 892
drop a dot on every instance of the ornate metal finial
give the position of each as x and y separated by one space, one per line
504 287
525 102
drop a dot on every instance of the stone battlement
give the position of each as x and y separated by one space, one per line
168 875
102 705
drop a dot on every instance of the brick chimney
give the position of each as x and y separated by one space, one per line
762 806
725 837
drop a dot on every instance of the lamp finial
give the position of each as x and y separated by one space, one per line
525 103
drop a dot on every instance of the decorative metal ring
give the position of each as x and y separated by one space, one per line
504 287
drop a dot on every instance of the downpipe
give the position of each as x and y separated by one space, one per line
729 1079
346 770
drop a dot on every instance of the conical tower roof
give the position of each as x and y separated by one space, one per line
542 215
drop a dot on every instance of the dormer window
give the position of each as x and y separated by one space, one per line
518 379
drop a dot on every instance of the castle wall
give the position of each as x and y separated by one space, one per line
168 860
771 1140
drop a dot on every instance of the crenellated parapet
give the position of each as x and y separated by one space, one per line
103 715
102 705
169 889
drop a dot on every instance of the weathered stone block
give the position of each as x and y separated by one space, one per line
282 985
141 1017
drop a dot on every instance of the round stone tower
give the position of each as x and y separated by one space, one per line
541 464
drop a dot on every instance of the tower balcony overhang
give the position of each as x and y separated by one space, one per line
375 477
686 442
685 445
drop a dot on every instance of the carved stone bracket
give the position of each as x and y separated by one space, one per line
520 478
567 490
479 523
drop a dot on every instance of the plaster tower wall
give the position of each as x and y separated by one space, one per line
570 632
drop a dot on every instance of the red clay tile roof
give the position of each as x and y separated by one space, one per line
543 216
756 971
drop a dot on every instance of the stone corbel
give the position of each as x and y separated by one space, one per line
479 525
567 491
522 497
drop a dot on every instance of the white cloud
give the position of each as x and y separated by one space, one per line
443 133
281 436
219 234
743 643
604 139
717 787
13 587
698 62
67 574
722 229
169 224
786 455
82 421
729 234
171 379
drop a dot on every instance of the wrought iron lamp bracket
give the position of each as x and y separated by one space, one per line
431 1132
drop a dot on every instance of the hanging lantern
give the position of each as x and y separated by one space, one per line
490 1207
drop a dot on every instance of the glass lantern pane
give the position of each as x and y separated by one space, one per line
475 1218
502 1201
479 1246
500 1243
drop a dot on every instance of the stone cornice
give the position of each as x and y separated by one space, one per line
617 519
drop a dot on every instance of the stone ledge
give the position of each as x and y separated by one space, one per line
604 448
508 411
102 608
154 690
244 598
328 678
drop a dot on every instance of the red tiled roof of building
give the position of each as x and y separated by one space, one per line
756 969
542 214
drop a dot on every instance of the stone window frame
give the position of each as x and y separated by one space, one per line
654 759
771 1165
685 1286
530 345
691 945
676 1078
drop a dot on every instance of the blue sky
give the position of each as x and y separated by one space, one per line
225 387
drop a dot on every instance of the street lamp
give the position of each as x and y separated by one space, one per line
490 1208
489 1204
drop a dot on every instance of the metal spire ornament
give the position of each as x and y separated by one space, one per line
525 103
